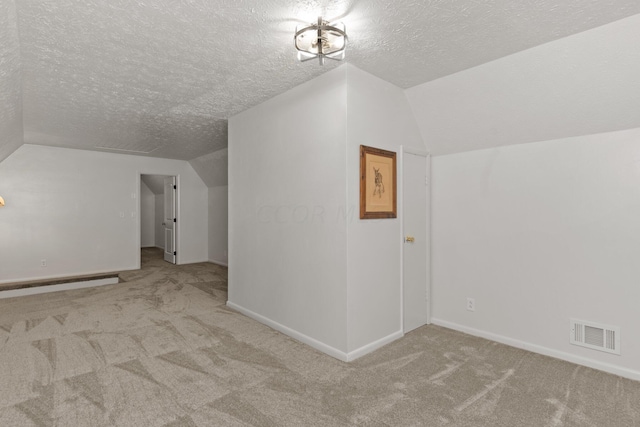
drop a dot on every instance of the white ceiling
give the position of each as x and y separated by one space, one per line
155 183
10 81
583 84
161 78
213 168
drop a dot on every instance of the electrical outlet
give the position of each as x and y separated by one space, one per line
471 304
43 263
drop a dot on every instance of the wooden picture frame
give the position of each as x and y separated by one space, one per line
378 189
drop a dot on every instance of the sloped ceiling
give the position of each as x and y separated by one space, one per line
584 84
161 78
213 168
154 182
10 81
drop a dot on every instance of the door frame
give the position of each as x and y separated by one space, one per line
170 183
408 150
139 210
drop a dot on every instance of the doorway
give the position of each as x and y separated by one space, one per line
158 217
416 264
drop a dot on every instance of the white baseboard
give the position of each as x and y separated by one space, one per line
333 352
56 288
67 275
327 349
192 261
222 263
355 354
579 360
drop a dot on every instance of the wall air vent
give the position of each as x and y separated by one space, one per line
595 336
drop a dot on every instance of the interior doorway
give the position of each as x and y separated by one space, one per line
416 238
159 222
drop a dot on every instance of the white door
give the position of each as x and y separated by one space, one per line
415 254
169 222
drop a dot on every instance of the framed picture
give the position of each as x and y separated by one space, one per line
377 183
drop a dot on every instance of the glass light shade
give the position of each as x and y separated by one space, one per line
321 40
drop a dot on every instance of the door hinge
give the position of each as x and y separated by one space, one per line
175 220
175 187
175 253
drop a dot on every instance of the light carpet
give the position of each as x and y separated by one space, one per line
162 349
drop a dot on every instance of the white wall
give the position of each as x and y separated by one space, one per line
287 241
159 228
213 169
10 83
66 205
538 233
301 258
147 216
218 224
583 84
379 115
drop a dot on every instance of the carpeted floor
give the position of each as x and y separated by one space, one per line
163 350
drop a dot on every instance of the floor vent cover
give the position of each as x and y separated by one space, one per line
595 336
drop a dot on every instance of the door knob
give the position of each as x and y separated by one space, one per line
409 239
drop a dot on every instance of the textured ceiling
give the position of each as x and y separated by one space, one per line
429 39
160 78
10 81
584 84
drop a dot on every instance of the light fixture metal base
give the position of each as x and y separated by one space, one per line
321 40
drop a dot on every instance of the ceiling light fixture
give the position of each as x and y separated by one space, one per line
321 40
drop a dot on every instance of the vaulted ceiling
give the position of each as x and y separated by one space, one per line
160 78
